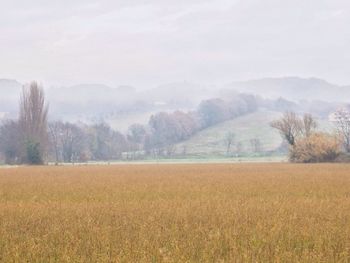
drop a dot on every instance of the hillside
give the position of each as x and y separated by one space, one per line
124 105
211 141
87 102
294 88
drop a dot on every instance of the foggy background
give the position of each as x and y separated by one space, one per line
149 43
179 78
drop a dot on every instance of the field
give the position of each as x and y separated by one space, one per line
176 213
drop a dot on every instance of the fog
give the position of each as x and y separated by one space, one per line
148 43
123 61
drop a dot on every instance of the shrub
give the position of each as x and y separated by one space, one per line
318 147
34 155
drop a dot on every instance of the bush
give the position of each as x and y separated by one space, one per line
34 155
318 147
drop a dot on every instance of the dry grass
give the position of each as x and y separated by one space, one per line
176 213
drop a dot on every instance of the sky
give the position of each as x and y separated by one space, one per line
147 43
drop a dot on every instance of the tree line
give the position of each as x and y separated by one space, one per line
33 139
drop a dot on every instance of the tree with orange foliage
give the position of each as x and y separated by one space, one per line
315 148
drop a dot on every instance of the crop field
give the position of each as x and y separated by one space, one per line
176 213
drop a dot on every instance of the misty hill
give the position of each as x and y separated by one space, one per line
89 93
211 141
174 94
88 100
91 102
293 88
246 128
124 105
183 94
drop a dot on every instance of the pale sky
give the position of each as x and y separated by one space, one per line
147 43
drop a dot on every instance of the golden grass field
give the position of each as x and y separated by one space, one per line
176 213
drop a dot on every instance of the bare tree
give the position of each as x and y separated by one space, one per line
33 124
136 137
256 145
342 117
54 139
309 125
105 143
137 133
73 142
290 127
170 150
184 150
239 147
229 141
68 141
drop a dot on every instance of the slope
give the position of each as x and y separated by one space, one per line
254 126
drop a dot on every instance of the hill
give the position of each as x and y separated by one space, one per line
247 130
294 88
124 105
211 141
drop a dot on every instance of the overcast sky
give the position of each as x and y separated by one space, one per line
146 43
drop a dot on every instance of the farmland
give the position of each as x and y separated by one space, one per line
176 213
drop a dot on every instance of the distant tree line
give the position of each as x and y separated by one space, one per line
33 139
71 143
164 129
